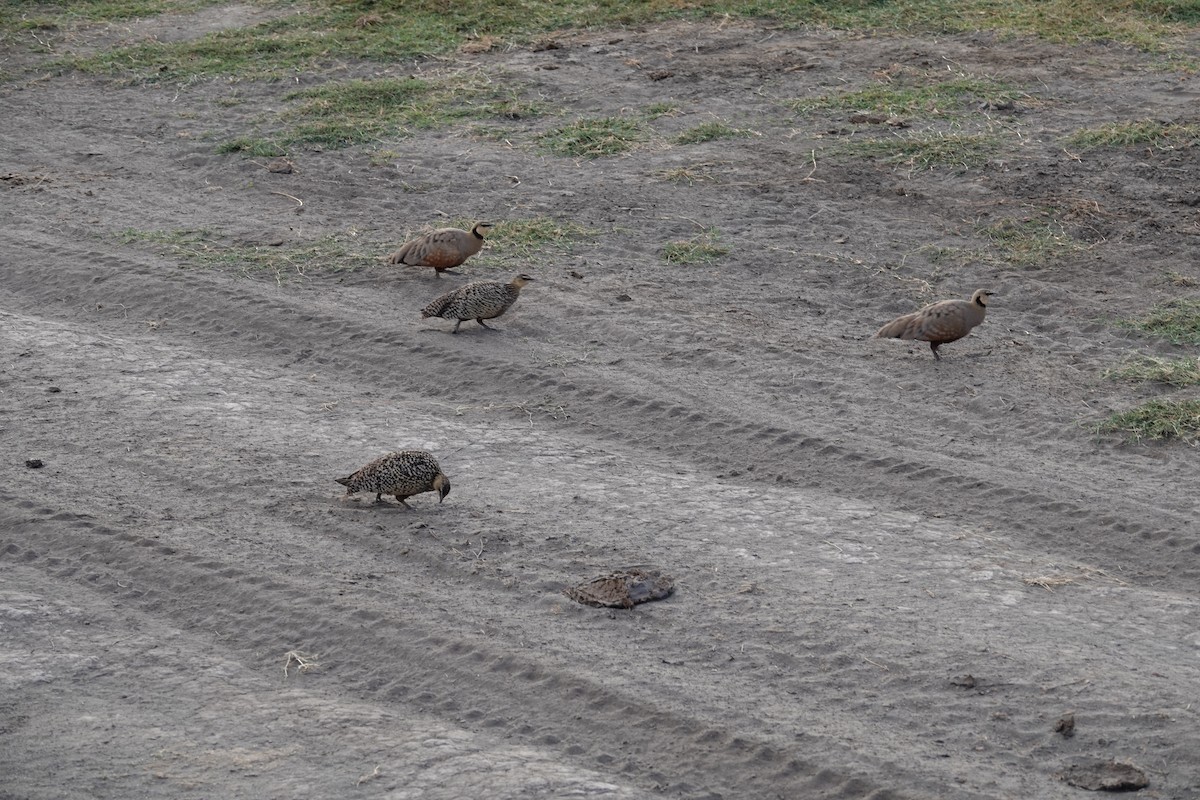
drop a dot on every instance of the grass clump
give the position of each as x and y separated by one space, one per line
894 100
924 151
339 114
1031 241
1163 135
525 237
691 174
701 249
710 131
1179 372
1177 321
656 110
346 113
253 146
175 237
594 137
1157 420
206 249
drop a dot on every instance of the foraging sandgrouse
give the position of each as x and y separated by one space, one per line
404 474
443 248
939 323
478 301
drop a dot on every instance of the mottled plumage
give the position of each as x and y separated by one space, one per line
443 248
478 301
939 323
403 474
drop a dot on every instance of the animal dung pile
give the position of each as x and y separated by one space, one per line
624 588
1105 776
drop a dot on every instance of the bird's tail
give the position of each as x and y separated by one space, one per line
897 329
435 308
343 481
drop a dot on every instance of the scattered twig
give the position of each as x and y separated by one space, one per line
302 661
370 777
809 176
291 197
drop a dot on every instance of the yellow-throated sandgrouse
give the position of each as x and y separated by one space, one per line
443 248
939 323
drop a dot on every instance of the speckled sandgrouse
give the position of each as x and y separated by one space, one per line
939 323
478 301
443 248
403 474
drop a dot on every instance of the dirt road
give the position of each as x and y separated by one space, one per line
894 575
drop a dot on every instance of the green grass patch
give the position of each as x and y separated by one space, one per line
594 137
1177 372
691 174
656 110
943 98
252 146
526 237
388 31
525 240
206 249
711 131
1163 135
17 15
1177 321
922 151
1157 420
1030 242
346 113
173 238
701 249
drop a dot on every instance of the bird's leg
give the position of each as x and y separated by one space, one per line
401 497
379 497
934 346
456 326
484 324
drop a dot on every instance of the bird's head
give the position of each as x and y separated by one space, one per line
441 484
981 296
521 280
482 229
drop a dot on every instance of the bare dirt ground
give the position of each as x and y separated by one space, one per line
894 576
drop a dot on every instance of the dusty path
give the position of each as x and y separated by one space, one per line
854 528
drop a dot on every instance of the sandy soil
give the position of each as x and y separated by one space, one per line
894 576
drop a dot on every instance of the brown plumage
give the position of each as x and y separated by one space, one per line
478 301
403 474
939 323
443 248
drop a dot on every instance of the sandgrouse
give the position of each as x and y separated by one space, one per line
403 474
478 301
939 323
443 248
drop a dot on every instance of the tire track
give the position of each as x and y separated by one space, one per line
386 658
737 445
